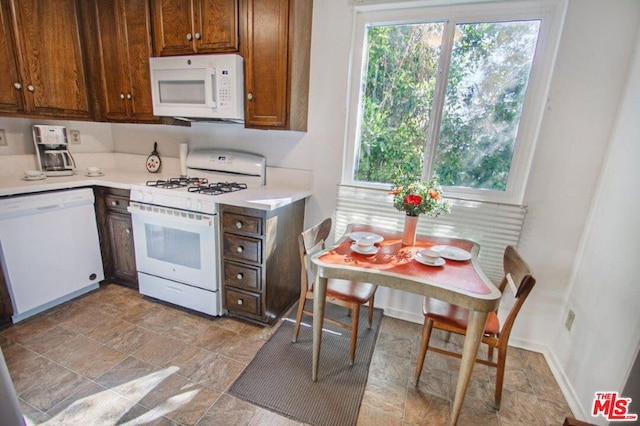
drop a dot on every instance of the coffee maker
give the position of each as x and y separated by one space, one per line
54 159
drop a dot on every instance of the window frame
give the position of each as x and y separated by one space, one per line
551 14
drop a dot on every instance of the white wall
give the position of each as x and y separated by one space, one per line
586 90
604 291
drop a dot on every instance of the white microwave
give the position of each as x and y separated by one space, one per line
198 86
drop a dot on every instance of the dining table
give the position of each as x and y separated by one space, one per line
460 281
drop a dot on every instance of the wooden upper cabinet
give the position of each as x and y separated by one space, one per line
121 60
182 27
277 36
10 97
49 57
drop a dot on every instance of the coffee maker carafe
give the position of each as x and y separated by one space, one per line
54 159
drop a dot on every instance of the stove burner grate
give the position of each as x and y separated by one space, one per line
180 182
218 188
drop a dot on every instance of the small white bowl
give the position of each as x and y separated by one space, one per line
32 173
94 170
429 256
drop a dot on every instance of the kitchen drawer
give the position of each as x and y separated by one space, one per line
180 294
241 275
116 203
243 224
237 300
242 248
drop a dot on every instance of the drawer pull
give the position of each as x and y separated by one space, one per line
240 249
114 203
239 224
240 302
239 276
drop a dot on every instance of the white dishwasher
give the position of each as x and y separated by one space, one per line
49 249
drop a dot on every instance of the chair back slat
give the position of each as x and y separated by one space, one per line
310 241
520 272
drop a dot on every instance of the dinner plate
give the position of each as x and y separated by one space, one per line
355 236
372 250
452 253
424 261
42 176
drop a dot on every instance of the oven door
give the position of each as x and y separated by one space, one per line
177 245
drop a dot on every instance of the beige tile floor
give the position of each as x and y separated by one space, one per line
114 357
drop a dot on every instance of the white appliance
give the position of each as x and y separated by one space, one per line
49 249
176 227
54 159
198 86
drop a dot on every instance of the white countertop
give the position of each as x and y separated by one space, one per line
268 197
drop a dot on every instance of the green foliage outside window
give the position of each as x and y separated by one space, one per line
483 101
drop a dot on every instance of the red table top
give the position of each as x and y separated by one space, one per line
393 257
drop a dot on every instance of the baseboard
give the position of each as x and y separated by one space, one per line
567 389
579 411
402 315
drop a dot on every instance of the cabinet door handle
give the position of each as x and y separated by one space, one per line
31 88
121 95
128 231
239 276
198 36
240 302
189 36
250 96
129 96
17 85
239 224
240 249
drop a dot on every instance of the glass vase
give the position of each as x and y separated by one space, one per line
410 229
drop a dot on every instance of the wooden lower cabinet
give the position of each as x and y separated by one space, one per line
116 236
6 309
260 260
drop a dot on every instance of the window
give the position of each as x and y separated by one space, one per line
455 91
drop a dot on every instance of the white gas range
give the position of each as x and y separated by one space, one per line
175 227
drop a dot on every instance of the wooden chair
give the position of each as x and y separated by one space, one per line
451 318
349 294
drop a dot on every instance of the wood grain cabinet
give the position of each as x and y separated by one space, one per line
182 27
10 95
116 236
42 60
121 47
260 260
276 50
6 308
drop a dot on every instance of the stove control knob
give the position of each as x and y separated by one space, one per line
148 198
199 205
188 203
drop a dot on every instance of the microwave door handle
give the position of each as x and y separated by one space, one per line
211 87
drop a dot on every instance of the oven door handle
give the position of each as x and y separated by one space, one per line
173 215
